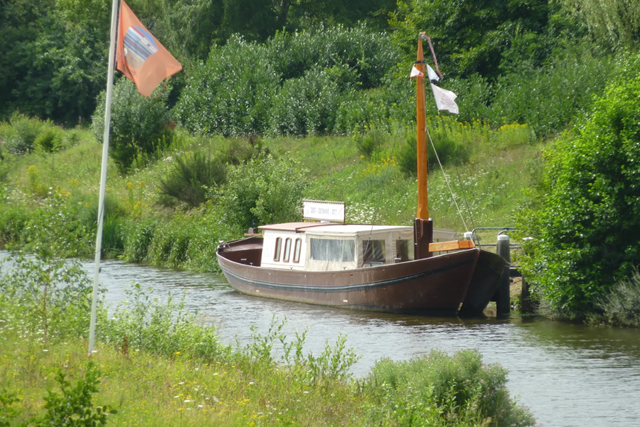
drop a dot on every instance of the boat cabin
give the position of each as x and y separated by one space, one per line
331 247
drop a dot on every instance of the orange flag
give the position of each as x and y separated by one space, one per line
140 56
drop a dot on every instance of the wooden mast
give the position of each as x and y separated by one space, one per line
423 227
423 205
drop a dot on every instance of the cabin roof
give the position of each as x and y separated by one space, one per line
298 227
323 228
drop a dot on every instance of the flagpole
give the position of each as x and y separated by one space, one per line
103 173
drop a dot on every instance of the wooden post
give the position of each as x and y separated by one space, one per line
423 236
526 306
502 296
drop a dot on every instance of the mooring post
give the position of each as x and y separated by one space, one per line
503 297
526 306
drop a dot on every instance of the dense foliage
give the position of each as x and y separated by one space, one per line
262 191
478 37
190 177
293 84
585 216
139 126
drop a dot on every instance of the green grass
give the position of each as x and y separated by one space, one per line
160 366
487 184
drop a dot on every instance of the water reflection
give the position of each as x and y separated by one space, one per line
568 374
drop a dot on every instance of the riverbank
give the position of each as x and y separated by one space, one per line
48 199
159 365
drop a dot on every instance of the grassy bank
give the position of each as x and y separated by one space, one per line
48 199
157 365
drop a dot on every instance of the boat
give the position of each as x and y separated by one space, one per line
399 269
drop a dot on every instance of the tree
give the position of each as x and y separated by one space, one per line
612 22
53 55
471 36
584 217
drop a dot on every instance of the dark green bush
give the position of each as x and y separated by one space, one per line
369 142
230 94
190 177
449 151
13 219
113 235
306 105
368 53
584 216
263 191
138 237
139 125
430 389
23 133
549 98
393 102
49 140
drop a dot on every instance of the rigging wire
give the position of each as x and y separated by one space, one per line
446 179
466 199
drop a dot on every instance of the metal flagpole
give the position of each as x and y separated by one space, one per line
103 173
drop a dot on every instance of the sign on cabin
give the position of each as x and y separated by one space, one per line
324 211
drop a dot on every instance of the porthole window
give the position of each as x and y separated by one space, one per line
296 250
276 253
287 250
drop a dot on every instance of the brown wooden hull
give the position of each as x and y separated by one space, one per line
432 285
484 283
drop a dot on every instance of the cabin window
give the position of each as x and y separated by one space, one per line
373 252
339 250
404 250
287 250
296 250
276 252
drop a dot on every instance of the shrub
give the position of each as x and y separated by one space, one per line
264 191
190 177
378 107
306 105
13 219
584 217
139 125
138 236
550 97
113 235
49 298
369 142
370 54
231 93
430 389
621 306
448 149
23 132
74 407
49 140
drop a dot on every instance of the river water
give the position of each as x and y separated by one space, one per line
567 374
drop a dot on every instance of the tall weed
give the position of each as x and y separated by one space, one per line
166 328
621 306
47 299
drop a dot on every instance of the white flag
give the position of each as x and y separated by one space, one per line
432 74
445 99
415 73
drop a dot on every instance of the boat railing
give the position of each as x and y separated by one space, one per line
501 231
